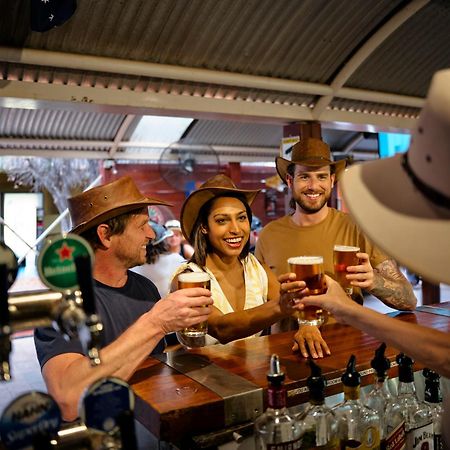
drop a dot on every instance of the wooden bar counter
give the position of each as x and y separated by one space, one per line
173 406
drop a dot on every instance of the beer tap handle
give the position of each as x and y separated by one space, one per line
84 275
5 327
95 327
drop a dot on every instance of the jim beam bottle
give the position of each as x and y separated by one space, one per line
433 399
358 425
416 414
318 422
276 429
392 432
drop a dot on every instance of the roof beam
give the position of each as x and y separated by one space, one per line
21 94
220 78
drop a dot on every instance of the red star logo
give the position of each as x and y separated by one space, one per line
65 252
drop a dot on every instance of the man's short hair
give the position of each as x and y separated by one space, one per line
116 225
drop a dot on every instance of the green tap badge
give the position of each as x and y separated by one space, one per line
56 262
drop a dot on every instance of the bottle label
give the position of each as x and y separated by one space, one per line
276 397
370 441
291 445
420 438
396 439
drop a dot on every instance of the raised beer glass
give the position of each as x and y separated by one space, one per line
194 336
310 270
343 257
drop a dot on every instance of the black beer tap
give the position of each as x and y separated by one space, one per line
5 327
93 343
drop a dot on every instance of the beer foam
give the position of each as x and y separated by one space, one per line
306 260
193 277
346 248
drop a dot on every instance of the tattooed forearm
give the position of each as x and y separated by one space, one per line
392 288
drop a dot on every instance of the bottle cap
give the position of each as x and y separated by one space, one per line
405 368
380 363
432 386
316 382
351 377
275 374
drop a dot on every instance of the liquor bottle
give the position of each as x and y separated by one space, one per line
416 414
392 431
358 425
276 428
433 399
318 422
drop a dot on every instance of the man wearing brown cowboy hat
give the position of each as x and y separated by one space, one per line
414 199
314 228
114 219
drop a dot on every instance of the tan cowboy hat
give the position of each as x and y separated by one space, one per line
217 186
310 152
403 203
92 207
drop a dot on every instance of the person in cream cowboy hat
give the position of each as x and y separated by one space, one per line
177 244
314 228
114 219
216 220
403 203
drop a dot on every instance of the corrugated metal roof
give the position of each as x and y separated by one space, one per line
58 124
307 41
214 132
405 63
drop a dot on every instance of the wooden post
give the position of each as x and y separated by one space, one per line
431 293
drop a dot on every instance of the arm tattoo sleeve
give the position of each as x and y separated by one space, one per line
392 288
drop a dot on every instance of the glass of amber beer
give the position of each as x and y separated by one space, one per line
194 336
343 257
310 270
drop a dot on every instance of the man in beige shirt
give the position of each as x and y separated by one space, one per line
314 228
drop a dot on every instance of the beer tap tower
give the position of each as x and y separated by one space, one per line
65 267
33 420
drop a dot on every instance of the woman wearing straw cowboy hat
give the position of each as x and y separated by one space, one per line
314 228
114 219
216 219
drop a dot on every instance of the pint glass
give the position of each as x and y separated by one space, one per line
343 257
310 270
194 336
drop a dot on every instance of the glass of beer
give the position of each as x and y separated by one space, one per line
194 336
310 270
343 257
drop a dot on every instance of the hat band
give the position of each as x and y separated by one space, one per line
430 193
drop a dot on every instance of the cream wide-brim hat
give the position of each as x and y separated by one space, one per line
407 214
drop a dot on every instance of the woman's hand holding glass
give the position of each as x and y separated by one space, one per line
290 292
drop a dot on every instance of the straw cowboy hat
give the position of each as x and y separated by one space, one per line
403 203
97 205
310 152
217 186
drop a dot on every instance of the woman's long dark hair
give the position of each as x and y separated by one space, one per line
154 251
200 240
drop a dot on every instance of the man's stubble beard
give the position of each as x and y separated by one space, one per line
307 209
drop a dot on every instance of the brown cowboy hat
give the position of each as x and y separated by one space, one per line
310 152
95 206
217 186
